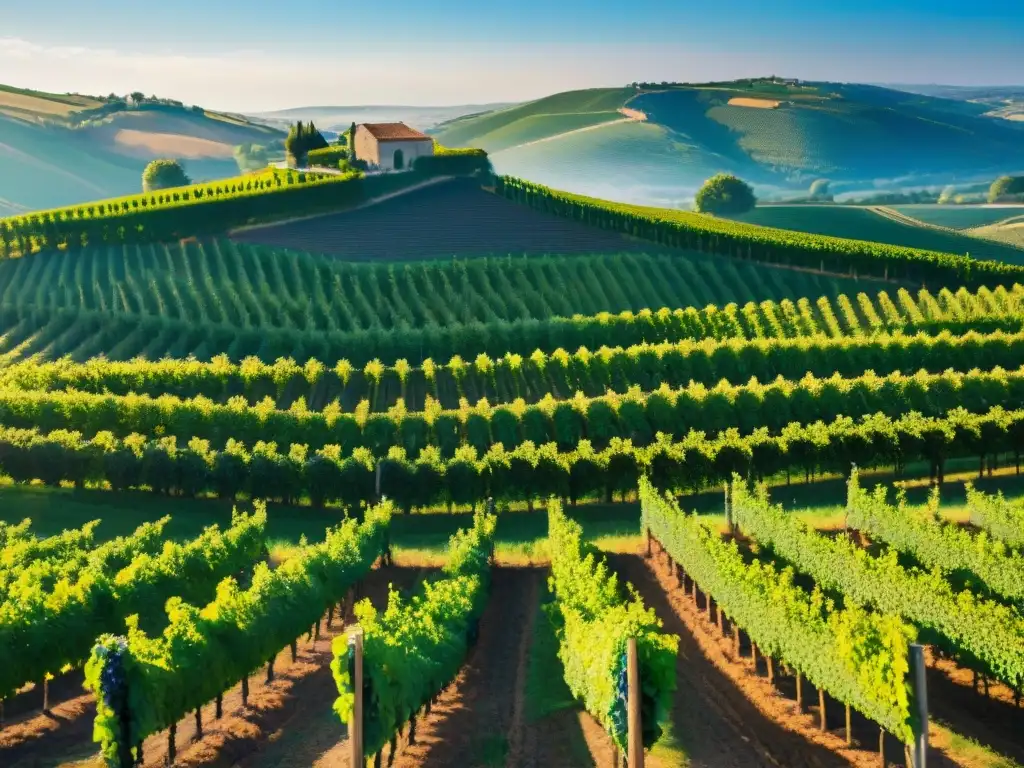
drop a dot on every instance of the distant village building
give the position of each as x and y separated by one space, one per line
391 146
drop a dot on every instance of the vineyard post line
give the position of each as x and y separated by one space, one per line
355 644
920 684
635 738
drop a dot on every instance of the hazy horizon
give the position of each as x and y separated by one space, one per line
253 57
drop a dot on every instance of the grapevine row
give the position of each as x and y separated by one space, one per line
507 378
593 622
1001 518
229 285
189 211
145 683
222 297
25 550
860 658
415 647
984 635
106 559
678 229
44 631
636 415
990 568
527 473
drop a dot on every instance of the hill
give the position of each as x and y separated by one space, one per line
339 118
64 149
882 225
778 136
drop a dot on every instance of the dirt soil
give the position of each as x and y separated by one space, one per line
478 721
991 722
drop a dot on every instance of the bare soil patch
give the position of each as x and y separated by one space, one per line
741 101
633 114
171 144
36 104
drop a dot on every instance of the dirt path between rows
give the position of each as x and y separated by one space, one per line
722 716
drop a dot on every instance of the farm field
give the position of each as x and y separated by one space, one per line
44 163
865 224
842 131
215 297
450 419
1011 232
963 217
503 698
542 127
553 112
454 218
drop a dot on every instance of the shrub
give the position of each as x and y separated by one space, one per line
725 194
163 174
1007 189
328 157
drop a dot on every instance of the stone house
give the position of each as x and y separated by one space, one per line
391 146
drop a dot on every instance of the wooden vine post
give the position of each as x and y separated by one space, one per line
920 687
355 728
635 738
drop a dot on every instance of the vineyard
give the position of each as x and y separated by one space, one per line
220 297
422 499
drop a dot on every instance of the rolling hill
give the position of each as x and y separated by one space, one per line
64 149
778 136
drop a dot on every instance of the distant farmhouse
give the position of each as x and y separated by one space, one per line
391 146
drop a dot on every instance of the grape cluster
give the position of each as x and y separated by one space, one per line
113 679
620 704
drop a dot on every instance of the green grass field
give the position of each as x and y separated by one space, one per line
540 127
637 162
864 224
421 538
466 131
960 216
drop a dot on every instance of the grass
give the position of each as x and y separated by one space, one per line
959 216
420 539
966 751
1010 233
467 131
861 223
632 162
538 127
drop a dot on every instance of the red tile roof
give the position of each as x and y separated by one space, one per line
395 132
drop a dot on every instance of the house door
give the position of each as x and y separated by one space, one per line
399 163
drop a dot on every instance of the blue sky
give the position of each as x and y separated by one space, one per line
258 54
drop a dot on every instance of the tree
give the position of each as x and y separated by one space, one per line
948 195
1006 189
352 143
725 194
163 174
301 139
820 191
251 157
